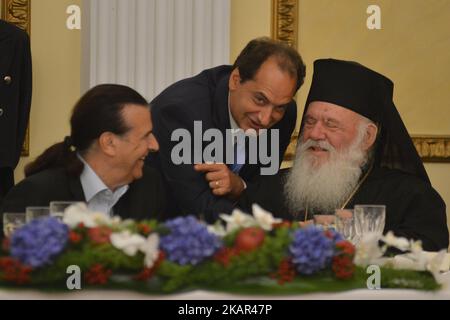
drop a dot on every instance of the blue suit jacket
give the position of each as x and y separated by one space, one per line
201 98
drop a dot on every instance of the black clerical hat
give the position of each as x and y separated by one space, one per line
368 93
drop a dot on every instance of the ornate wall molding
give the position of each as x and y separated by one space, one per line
285 29
433 148
285 21
430 148
290 151
18 12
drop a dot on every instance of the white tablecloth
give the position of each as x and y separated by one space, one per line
382 294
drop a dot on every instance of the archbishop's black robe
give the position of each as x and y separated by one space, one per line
413 208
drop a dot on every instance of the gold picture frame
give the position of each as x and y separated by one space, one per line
285 21
431 148
18 12
285 28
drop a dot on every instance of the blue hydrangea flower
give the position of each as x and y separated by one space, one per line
37 243
189 241
312 250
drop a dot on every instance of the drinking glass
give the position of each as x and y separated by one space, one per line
12 222
57 208
36 213
345 223
369 219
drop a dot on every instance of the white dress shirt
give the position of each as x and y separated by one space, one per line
98 196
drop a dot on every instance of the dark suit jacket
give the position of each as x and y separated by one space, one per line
15 92
201 98
144 199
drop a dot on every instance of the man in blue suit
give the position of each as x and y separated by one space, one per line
255 93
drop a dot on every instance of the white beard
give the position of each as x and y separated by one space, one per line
322 188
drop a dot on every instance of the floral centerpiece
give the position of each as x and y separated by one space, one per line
241 253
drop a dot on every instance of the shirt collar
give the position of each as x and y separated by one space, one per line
92 184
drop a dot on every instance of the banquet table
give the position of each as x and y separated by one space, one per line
359 294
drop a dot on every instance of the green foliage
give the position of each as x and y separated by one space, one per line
246 272
247 264
86 256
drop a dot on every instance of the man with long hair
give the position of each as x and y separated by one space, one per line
101 162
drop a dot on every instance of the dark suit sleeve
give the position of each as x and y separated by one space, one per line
15 92
188 186
161 206
24 103
268 193
20 197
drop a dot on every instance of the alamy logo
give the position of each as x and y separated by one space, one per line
374 280
374 20
73 281
190 148
73 21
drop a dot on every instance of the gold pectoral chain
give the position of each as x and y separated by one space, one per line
351 195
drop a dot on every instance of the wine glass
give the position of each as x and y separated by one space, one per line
369 219
345 223
36 213
57 208
12 221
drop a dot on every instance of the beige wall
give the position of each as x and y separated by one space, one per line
412 49
56 75
249 19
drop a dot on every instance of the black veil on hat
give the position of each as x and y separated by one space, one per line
368 93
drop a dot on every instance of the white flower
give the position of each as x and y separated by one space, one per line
217 229
416 246
150 250
410 261
437 263
131 243
102 219
127 242
79 213
237 220
392 241
264 218
115 221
